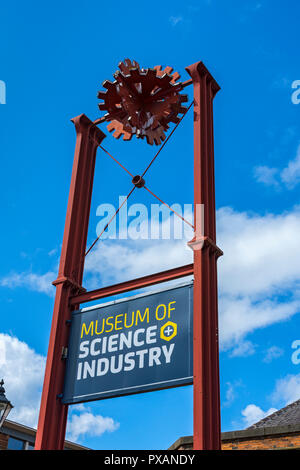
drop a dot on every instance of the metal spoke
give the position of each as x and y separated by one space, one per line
117 161
171 133
111 219
170 208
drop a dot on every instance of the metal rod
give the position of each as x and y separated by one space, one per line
170 208
120 164
111 219
99 121
187 83
173 130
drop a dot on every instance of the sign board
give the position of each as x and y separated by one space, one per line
138 344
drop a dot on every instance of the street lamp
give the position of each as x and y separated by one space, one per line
5 405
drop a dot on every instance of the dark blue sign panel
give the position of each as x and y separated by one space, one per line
132 345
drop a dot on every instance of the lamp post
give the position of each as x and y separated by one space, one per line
5 405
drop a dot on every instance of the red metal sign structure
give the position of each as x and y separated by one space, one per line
141 102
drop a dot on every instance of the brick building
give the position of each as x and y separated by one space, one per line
15 436
280 430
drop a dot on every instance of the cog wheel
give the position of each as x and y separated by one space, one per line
142 102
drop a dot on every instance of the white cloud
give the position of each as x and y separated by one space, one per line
87 424
261 253
32 281
174 20
52 252
22 370
230 394
291 174
266 175
252 414
115 261
272 353
243 349
287 389
261 261
288 177
241 316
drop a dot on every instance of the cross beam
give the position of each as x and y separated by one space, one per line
138 283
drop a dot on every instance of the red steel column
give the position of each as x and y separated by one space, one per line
207 429
53 414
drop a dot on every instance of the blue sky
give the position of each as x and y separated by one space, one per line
53 61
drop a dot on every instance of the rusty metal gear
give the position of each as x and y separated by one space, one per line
142 102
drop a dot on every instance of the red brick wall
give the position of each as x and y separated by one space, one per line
267 442
263 443
3 441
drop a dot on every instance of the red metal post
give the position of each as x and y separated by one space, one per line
53 414
207 429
